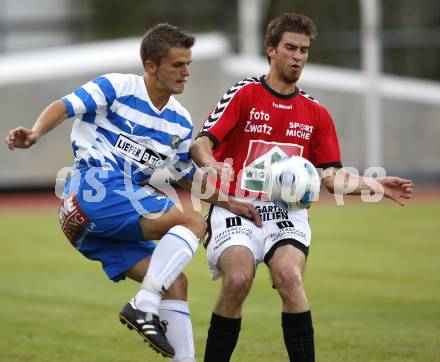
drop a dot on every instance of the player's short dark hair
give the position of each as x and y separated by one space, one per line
289 22
158 40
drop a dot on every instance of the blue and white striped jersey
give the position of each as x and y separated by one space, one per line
117 125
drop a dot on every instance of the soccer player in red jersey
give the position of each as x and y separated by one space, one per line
259 121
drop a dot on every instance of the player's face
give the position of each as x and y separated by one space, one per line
173 71
290 56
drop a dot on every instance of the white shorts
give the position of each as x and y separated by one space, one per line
280 227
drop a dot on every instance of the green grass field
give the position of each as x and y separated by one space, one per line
373 280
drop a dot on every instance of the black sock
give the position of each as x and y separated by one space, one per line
298 336
222 338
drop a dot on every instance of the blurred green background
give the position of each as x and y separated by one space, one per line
410 34
410 29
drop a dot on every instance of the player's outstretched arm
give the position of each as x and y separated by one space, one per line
396 188
21 137
342 182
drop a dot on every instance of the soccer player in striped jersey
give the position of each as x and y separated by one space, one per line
257 122
127 130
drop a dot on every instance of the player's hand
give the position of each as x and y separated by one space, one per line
224 171
21 137
396 188
242 209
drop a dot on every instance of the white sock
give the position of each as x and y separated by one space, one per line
179 331
169 258
147 301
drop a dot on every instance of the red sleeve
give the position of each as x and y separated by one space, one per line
326 151
225 115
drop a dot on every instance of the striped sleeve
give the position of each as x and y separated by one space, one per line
92 96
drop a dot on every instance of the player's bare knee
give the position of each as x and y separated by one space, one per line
181 283
237 285
200 227
179 289
196 223
287 278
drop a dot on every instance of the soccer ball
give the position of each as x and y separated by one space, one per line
293 182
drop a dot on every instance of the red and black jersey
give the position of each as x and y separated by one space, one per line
254 126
